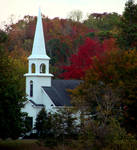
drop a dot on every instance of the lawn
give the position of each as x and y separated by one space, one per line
27 145
21 145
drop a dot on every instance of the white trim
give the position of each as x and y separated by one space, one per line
39 57
38 75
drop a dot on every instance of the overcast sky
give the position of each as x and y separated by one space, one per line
56 8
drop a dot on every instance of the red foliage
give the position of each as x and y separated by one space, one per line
110 44
82 61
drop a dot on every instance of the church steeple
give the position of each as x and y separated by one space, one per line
38 73
38 50
39 60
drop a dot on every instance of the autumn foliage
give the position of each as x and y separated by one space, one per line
118 70
100 50
83 60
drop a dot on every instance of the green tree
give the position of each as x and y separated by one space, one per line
68 121
103 22
12 97
56 127
57 50
43 124
100 128
3 36
127 37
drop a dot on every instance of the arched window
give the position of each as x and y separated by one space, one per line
42 68
32 68
31 88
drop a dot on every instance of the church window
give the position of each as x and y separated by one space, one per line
33 68
31 88
42 68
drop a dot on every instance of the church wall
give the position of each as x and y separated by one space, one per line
38 82
31 110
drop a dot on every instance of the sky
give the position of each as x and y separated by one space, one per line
13 10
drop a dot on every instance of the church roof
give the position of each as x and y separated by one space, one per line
41 105
58 91
38 50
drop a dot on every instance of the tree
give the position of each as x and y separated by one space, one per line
3 36
12 97
75 15
82 61
127 36
100 121
43 124
117 69
55 127
105 25
58 51
68 122
103 21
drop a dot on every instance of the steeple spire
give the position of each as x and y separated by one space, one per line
38 50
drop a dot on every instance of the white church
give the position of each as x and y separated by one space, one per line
42 90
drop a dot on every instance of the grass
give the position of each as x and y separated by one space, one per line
27 145
21 145
36 145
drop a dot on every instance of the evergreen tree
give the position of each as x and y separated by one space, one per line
127 37
43 124
11 97
68 121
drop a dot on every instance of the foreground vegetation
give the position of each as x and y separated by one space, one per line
102 51
20 145
36 145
